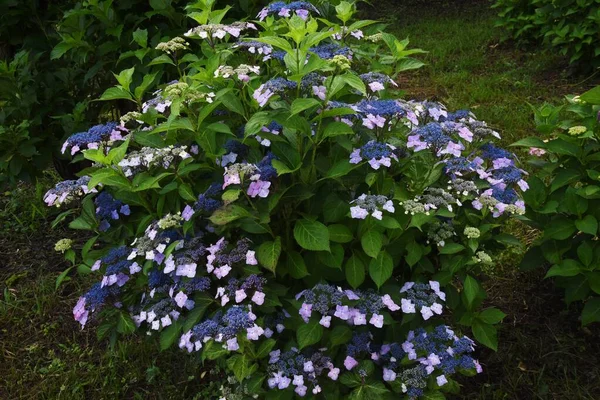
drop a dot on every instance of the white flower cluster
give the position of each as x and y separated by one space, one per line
148 157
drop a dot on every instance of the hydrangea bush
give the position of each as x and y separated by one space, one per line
281 211
563 199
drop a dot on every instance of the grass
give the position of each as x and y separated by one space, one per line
544 354
469 67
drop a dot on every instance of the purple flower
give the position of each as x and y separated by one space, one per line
358 213
305 311
441 380
388 375
350 363
259 188
325 321
232 344
320 92
251 258
258 298
376 320
187 213
408 306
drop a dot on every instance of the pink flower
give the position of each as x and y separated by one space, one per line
258 298
305 311
373 120
259 188
376 320
333 373
251 258
80 313
325 321
534 151
358 212
350 363
389 303
376 86
320 92
240 295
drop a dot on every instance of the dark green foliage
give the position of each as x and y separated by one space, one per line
569 27
564 198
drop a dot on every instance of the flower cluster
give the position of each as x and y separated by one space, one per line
173 45
377 81
354 307
422 297
281 9
67 191
219 31
376 153
299 370
96 135
242 71
108 208
258 175
371 205
270 88
149 157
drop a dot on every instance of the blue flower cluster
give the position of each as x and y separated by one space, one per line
282 9
208 201
90 139
107 208
329 50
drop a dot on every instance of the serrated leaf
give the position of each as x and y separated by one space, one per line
340 233
311 235
380 268
371 242
295 265
268 254
309 334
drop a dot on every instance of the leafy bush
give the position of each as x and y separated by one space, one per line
293 219
50 76
563 199
568 27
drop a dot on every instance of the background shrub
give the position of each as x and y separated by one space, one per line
569 27
564 198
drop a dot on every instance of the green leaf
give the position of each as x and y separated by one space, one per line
341 334
309 334
414 253
355 271
115 93
485 334
169 335
125 324
241 366
265 348
337 129
340 233
268 254
491 316
471 289
227 214
591 311
62 277
371 242
202 302
560 228
295 265
302 104
339 169
125 78
451 248
589 225
564 177
186 192
311 235
162 59
567 267
592 96
380 268
585 252
140 36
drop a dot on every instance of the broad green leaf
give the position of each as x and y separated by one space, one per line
295 265
380 268
311 235
339 169
491 316
227 214
186 192
341 334
485 334
371 242
169 335
560 228
268 254
567 267
336 129
309 334
591 311
125 324
241 366
451 248
471 289
116 93
355 271
302 104
340 233
589 225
